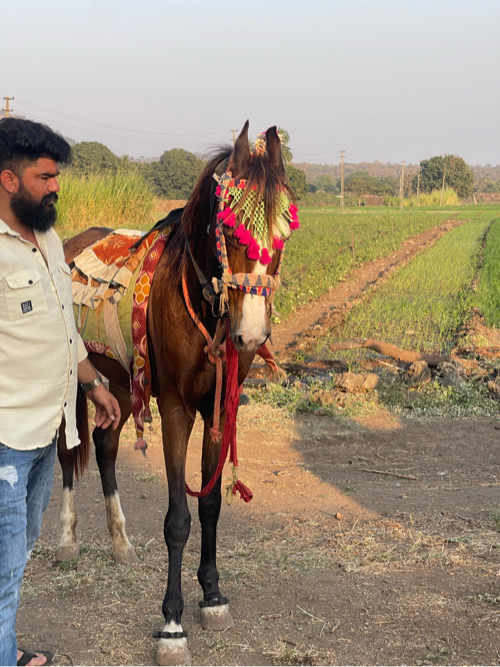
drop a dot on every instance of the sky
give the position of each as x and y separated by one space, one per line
387 80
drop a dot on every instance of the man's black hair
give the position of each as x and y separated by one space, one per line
22 142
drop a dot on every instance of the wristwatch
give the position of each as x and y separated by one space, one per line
88 386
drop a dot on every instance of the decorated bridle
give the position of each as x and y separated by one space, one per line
234 197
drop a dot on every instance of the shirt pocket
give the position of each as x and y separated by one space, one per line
24 295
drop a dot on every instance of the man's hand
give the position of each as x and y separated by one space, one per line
107 409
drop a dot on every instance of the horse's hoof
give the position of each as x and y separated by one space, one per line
125 557
173 652
216 618
67 553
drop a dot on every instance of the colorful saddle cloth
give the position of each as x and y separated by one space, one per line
111 284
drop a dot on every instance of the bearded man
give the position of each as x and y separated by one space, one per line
41 356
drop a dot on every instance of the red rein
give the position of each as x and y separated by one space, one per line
231 407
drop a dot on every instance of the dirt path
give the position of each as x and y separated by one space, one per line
329 563
300 327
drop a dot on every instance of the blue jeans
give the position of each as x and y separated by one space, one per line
26 479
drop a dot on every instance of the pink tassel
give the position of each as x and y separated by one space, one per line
264 257
218 191
278 243
230 220
294 224
293 210
242 235
253 250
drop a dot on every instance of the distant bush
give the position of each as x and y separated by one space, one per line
450 198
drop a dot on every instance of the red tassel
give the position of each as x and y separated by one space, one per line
278 243
244 491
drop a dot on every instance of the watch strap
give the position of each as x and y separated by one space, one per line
88 386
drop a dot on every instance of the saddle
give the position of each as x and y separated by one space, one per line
111 281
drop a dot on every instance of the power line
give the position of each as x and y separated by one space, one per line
108 136
116 127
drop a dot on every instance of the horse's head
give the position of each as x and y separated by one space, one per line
255 217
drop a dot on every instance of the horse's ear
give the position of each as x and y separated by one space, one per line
241 153
273 146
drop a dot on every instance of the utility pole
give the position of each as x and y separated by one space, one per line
402 186
234 136
7 110
418 185
342 181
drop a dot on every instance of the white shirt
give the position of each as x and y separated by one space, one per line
39 346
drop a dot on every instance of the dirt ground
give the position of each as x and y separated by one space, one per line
331 563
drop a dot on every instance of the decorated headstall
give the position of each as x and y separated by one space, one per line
243 210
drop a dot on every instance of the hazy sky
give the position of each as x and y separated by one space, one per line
382 79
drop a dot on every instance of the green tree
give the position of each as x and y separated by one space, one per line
91 157
326 183
285 146
458 175
175 174
358 184
297 179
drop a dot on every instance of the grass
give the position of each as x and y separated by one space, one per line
423 305
320 255
123 199
488 294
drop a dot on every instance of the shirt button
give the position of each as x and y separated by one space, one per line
65 404
33 249
71 372
30 282
70 341
62 306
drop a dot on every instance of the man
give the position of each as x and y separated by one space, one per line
41 356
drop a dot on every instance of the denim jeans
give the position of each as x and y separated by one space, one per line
26 479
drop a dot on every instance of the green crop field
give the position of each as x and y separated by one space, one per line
488 294
320 254
424 304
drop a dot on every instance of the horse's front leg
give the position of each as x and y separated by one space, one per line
106 448
177 424
215 614
68 548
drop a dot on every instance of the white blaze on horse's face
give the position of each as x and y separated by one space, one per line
254 328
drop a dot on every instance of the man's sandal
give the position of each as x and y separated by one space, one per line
29 655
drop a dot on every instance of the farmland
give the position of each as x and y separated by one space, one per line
373 536
330 244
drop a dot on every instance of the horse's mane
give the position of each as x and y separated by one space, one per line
268 179
197 196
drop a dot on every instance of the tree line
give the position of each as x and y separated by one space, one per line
174 174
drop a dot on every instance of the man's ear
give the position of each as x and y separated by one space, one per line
9 181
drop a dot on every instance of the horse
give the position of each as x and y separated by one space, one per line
212 289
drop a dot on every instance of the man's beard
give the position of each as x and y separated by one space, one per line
39 215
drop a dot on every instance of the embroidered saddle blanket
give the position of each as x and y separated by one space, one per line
111 281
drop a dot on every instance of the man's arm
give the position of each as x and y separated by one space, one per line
107 409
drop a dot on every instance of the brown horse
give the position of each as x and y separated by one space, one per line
227 249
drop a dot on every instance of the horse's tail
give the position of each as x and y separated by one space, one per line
82 424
